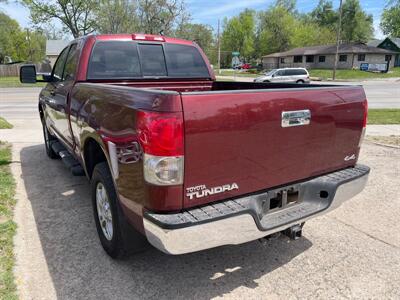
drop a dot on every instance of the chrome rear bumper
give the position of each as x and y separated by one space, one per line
178 234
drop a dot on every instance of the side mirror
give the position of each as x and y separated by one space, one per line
27 74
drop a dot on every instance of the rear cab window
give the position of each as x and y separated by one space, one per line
133 60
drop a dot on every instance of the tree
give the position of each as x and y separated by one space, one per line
390 20
157 16
357 26
324 14
289 5
18 44
75 15
116 16
276 28
239 34
201 34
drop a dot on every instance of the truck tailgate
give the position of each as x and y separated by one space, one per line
235 143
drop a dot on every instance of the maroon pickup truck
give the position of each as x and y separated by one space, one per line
185 162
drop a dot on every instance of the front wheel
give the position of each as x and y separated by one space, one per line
48 140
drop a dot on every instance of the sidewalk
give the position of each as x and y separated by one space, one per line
383 130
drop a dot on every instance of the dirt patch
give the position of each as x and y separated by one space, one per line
393 140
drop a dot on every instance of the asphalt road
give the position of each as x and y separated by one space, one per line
352 252
23 101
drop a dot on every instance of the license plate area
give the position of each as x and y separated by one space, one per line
280 199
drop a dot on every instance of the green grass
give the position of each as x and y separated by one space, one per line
14 82
4 124
7 225
353 74
232 73
383 116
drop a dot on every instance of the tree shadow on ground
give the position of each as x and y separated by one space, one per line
79 268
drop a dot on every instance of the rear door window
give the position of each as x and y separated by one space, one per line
289 73
71 64
59 66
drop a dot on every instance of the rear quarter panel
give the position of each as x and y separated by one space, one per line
100 111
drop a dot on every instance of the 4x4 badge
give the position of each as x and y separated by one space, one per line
350 157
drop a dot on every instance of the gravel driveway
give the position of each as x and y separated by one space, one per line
353 252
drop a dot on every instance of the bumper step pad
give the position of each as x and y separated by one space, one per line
315 196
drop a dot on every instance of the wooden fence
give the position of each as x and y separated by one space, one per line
13 70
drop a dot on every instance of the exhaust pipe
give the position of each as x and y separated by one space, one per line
294 232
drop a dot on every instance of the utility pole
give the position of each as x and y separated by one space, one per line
219 51
337 40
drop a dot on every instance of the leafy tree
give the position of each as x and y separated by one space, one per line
76 16
390 20
276 28
357 26
324 14
116 16
289 5
19 44
157 16
239 34
201 34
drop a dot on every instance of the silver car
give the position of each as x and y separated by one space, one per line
286 75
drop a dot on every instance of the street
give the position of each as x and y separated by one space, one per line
353 251
23 101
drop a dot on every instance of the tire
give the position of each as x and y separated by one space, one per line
266 81
300 81
48 140
117 237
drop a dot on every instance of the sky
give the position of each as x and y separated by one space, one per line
209 11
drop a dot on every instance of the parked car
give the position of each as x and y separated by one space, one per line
246 66
286 75
187 163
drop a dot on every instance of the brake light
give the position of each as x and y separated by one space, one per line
161 138
160 133
148 37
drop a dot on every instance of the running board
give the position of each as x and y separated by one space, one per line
69 161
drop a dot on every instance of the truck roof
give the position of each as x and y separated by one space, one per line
139 37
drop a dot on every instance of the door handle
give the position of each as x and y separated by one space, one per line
296 118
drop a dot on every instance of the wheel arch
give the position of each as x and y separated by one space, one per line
92 154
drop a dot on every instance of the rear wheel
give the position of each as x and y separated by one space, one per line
300 81
117 237
48 140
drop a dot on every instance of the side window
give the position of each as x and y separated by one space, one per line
290 72
71 63
59 66
280 73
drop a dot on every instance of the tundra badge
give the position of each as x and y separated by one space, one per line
350 157
201 191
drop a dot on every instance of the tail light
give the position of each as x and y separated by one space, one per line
365 119
161 138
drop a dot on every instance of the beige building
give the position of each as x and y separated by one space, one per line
351 56
54 48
